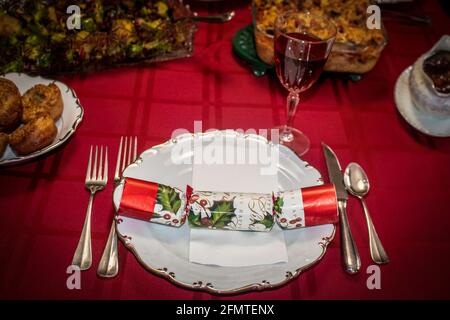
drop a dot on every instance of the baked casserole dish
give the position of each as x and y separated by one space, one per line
356 49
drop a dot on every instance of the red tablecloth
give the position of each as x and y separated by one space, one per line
42 204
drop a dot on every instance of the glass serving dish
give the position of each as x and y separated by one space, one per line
345 56
182 24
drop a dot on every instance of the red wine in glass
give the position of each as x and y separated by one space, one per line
299 59
302 44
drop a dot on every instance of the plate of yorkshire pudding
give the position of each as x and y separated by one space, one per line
36 116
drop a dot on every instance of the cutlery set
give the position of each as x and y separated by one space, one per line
355 182
96 180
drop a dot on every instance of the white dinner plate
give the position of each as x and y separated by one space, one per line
425 122
71 116
164 250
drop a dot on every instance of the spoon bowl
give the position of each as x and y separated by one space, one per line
355 180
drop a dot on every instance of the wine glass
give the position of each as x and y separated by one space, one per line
303 42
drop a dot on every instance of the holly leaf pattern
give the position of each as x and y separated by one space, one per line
222 213
278 205
194 219
168 198
267 221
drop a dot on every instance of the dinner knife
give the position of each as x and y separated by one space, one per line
349 251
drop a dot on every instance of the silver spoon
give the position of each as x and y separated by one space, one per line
356 182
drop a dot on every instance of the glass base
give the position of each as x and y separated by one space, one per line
293 139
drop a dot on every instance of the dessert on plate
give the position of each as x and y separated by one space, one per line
28 122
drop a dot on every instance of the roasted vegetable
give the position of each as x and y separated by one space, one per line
9 26
34 36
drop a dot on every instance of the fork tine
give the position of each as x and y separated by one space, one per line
124 156
130 150
105 172
117 173
88 172
100 162
94 170
135 149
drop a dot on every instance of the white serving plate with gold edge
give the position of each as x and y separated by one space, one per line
70 119
164 250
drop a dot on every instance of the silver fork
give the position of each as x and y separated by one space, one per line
109 263
96 179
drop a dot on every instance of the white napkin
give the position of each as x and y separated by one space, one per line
235 248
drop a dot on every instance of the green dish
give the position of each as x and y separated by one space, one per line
244 48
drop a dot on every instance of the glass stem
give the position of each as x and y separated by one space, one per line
292 103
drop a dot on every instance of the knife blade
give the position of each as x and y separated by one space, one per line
335 173
349 251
